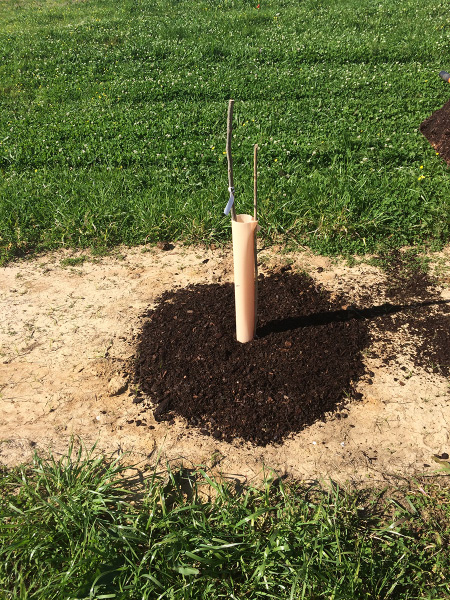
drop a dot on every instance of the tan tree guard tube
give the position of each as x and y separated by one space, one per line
243 232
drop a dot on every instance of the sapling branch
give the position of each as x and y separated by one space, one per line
255 216
255 181
229 155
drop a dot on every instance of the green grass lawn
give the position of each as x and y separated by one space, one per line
73 528
113 121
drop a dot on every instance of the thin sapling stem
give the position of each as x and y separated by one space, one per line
229 156
255 216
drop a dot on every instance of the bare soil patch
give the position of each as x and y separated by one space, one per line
362 359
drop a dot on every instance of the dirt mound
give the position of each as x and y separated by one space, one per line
437 131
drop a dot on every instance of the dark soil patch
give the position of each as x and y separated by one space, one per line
437 131
302 365
421 329
407 277
433 344
418 310
305 361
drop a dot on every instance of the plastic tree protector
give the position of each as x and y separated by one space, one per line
243 232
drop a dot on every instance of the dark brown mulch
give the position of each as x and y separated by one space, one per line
437 131
426 323
433 344
304 363
407 277
415 306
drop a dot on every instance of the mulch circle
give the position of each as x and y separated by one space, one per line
437 131
304 363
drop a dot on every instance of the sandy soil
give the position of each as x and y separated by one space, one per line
67 340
